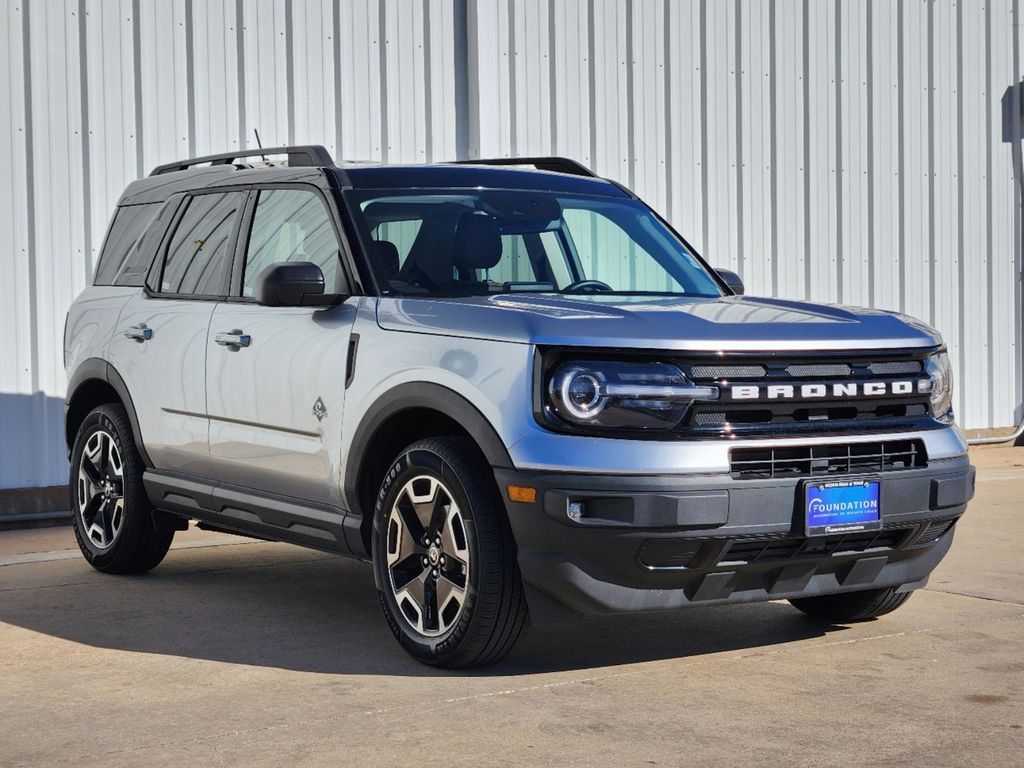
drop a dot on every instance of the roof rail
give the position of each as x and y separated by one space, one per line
556 164
305 156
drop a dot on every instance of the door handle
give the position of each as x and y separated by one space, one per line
235 339
139 333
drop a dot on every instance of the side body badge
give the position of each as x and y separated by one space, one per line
319 409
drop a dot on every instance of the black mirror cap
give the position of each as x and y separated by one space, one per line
731 279
293 284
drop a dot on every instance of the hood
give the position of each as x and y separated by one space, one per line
728 323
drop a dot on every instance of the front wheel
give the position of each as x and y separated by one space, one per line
117 528
852 606
444 558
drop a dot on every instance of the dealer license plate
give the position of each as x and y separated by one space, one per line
842 506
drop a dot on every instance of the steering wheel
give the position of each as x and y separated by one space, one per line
587 286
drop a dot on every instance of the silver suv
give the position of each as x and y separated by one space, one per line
508 384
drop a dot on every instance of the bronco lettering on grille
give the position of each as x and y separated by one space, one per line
834 391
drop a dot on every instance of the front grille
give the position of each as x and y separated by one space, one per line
818 460
819 369
800 411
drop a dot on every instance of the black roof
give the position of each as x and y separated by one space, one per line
452 176
548 174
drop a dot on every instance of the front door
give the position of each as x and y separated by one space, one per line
276 375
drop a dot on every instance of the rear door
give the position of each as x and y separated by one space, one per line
276 398
159 346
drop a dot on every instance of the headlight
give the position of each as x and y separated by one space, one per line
939 386
619 395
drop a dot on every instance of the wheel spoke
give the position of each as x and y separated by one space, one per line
439 508
410 520
401 544
104 452
448 590
453 536
91 472
406 571
114 468
415 591
430 619
105 518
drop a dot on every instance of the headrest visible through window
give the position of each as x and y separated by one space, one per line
385 254
477 242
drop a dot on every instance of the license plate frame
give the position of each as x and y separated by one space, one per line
840 506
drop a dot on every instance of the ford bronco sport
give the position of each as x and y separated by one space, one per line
510 385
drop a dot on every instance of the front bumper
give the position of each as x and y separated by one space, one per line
649 543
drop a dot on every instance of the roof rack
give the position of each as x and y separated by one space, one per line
312 155
556 164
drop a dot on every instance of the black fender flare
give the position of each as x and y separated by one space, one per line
413 395
96 368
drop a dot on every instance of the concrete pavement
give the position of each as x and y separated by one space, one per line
243 653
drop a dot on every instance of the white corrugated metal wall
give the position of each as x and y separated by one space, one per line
856 152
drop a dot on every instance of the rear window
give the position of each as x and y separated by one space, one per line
123 261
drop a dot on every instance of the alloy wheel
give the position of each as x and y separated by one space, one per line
428 555
101 490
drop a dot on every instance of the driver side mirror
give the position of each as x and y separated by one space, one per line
731 279
293 284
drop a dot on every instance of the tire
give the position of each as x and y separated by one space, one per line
852 606
117 528
457 600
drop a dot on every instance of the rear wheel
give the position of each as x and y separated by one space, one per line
444 557
852 606
117 528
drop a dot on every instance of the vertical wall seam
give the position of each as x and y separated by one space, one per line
460 65
428 88
773 128
289 69
382 59
30 197
513 112
869 46
140 150
900 161
840 170
930 102
989 276
190 75
339 150
630 107
961 272
805 48
83 86
667 106
738 86
552 79
240 70
1018 235
467 79
591 84
990 281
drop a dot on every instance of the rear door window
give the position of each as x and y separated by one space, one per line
198 257
123 260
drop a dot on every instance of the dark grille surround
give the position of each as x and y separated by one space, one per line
760 417
823 460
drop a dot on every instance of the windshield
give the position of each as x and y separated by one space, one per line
480 242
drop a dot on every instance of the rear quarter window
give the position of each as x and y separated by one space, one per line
123 261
